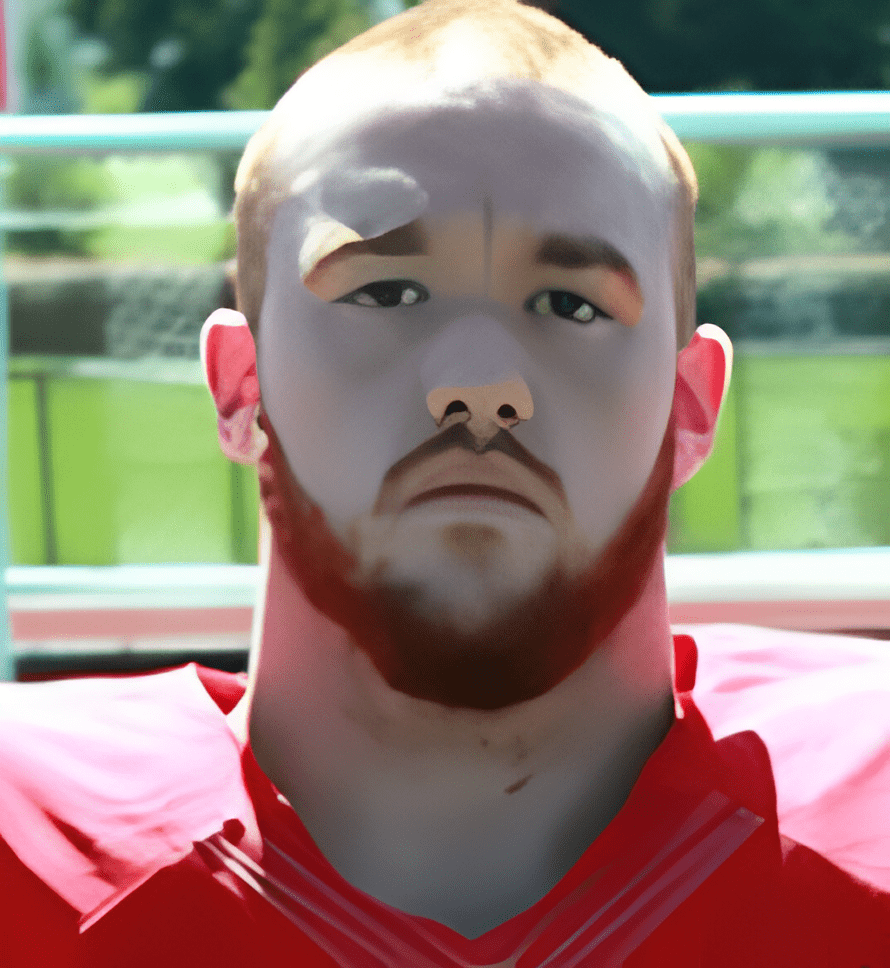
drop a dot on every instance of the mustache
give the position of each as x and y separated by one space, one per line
459 437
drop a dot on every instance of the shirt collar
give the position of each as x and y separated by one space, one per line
106 781
133 772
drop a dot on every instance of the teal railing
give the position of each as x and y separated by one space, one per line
6 663
828 118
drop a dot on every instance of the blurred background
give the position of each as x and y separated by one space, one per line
113 261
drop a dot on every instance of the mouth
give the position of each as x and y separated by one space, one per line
482 492
449 472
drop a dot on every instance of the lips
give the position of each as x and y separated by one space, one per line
474 490
451 465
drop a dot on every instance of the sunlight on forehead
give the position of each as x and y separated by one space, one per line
363 146
343 91
349 206
465 56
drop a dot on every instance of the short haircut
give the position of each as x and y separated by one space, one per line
529 44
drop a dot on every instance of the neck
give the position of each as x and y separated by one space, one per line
503 800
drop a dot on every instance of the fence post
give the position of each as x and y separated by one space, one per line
7 668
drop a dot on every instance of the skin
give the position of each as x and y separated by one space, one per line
502 799
363 371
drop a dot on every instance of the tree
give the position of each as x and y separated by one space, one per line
214 54
758 45
211 54
286 39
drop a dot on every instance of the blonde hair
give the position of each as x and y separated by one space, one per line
527 43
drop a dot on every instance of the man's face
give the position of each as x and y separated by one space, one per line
476 396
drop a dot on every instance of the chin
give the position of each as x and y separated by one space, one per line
460 571
451 594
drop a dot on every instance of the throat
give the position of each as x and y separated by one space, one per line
464 817
423 804
469 862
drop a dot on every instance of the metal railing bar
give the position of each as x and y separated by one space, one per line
131 586
843 574
822 118
830 118
857 574
148 370
130 133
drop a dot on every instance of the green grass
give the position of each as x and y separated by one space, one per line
178 245
26 527
815 449
802 461
137 476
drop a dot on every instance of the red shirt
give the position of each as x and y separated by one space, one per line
140 834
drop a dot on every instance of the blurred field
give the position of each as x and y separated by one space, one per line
180 245
116 471
127 472
802 459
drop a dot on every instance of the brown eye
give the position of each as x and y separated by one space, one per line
386 294
565 305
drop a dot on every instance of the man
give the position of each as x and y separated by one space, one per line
465 270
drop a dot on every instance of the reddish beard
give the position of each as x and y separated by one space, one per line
518 655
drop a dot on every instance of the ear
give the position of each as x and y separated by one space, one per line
703 371
228 355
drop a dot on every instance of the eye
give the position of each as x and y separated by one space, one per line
566 305
386 294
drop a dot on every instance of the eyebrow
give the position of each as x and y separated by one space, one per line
572 252
407 239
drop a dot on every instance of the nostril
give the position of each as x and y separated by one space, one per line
456 406
506 412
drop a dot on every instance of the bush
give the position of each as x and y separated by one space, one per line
43 185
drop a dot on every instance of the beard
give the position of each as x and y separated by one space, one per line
519 653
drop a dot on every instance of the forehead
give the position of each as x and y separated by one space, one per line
519 149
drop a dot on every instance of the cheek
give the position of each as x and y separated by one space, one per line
341 387
605 400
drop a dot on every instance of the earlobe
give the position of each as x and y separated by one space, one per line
228 355
703 371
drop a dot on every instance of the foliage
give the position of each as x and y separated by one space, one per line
190 49
210 54
287 38
721 173
47 184
213 54
114 94
762 45
764 202
47 67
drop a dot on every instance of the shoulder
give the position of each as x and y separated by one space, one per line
799 910
843 920
105 781
30 911
821 705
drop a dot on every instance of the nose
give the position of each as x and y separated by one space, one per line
485 409
472 374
